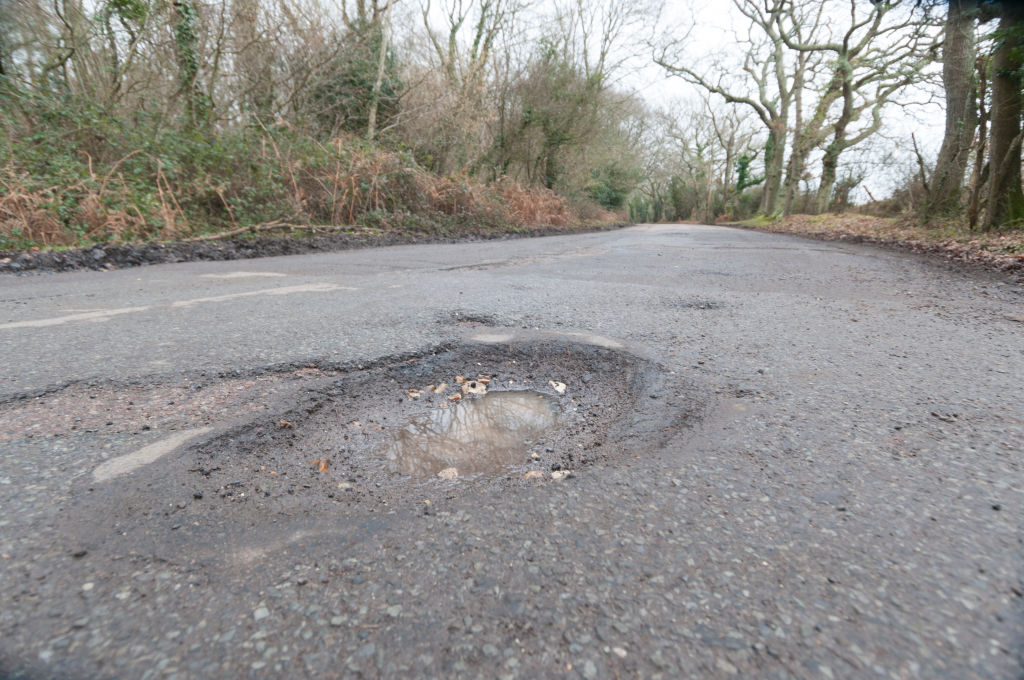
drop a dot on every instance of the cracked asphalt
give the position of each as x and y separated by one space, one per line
821 479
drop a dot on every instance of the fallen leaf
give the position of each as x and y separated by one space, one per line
534 474
449 474
414 394
285 424
440 388
459 380
321 464
560 474
455 397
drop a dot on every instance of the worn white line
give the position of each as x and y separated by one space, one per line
284 290
243 275
99 315
104 314
122 465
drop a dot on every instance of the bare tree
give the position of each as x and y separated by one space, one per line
878 55
774 80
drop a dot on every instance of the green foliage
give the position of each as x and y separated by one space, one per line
611 185
341 100
75 174
744 178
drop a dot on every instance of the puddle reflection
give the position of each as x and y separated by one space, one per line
481 435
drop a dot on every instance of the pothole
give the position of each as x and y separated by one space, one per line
379 435
375 440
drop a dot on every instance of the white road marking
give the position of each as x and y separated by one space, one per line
493 338
104 314
122 465
243 275
284 290
99 315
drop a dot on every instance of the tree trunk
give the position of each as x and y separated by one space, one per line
802 146
774 151
1005 199
378 82
830 162
979 173
961 111
829 166
186 47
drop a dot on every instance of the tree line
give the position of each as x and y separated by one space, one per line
140 118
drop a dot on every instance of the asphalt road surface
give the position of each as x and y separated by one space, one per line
824 479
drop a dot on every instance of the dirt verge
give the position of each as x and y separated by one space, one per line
995 251
120 256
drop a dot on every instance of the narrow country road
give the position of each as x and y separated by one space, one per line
780 458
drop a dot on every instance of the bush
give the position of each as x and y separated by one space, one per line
73 175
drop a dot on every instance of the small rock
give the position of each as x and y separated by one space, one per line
724 666
534 456
449 474
589 670
619 652
533 474
587 377
394 611
474 387
558 475
81 552
557 386
337 621
261 613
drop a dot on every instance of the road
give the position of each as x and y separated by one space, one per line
841 498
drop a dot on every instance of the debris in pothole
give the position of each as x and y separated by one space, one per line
449 474
533 474
474 387
557 386
560 474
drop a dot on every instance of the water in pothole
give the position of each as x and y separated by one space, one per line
479 435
